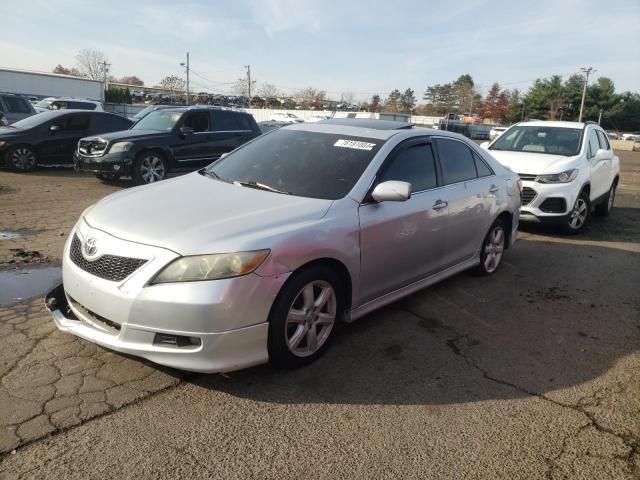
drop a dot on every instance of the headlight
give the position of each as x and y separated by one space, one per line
211 267
564 177
120 147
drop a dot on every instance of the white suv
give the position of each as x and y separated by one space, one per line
567 169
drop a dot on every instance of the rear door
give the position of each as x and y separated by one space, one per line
470 199
58 147
402 242
231 130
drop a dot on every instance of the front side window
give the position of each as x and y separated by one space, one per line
305 164
540 139
77 122
603 141
415 165
594 145
162 120
457 161
16 105
199 121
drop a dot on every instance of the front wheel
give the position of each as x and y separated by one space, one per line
304 317
22 158
492 249
149 167
579 216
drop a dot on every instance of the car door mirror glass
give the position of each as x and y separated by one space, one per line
392 191
186 130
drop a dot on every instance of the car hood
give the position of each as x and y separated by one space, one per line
194 214
7 133
129 135
533 163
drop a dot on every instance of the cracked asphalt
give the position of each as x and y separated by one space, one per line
531 373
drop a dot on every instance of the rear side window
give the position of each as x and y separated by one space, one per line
603 141
77 123
226 121
481 166
457 161
415 165
199 121
109 123
81 105
16 105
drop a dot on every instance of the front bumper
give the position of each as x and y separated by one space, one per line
534 210
110 164
216 326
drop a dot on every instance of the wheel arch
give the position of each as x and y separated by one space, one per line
507 217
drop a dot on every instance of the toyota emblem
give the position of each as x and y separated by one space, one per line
91 246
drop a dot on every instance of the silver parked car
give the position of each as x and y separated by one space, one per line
258 256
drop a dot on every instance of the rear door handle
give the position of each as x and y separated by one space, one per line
440 204
494 189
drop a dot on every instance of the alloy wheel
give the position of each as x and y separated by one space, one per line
578 214
311 318
493 249
152 169
23 158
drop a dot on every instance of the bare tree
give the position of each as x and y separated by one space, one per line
173 83
268 90
348 97
67 71
90 63
241 87
131 80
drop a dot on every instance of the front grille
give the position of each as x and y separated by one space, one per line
108 267
527 177
528 194
92 147
554 205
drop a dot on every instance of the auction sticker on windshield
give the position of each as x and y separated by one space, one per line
354 144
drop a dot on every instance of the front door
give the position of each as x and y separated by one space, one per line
59 145
194 150
600 167
402 242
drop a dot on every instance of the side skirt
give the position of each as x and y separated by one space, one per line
391 297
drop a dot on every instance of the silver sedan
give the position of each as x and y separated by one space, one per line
258 256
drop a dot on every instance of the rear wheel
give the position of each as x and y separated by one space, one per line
492 249
149 167
22 158
304 317
579 216
604 208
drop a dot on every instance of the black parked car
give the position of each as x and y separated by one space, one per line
166 140
50 138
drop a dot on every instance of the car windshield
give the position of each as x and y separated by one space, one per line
305 164
540 139
143 113
163 120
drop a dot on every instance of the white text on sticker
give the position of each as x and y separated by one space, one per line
354 144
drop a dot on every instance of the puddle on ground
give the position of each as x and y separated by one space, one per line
24 283
8 235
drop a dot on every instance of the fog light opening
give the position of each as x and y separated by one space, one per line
178 341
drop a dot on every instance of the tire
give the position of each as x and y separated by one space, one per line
579 216
604 208
149 167
492 250
22 158
299 310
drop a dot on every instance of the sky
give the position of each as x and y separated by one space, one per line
363 47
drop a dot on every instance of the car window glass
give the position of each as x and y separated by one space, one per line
457 162
226 121
602 140
481 166
199 121
415 165
77 122
16 105
593 144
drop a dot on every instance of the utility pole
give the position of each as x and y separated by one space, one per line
186 65
249 82
105 69
599 117
587 71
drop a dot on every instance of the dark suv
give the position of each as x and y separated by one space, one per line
166 140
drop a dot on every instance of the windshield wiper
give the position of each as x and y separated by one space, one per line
212 174
260 186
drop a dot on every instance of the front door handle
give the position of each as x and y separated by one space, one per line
494 189
440 204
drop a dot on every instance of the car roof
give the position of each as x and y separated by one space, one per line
369 123
553 123
367 128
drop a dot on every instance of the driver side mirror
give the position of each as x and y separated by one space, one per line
485 145
55 128
392 191
602 154
184 131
